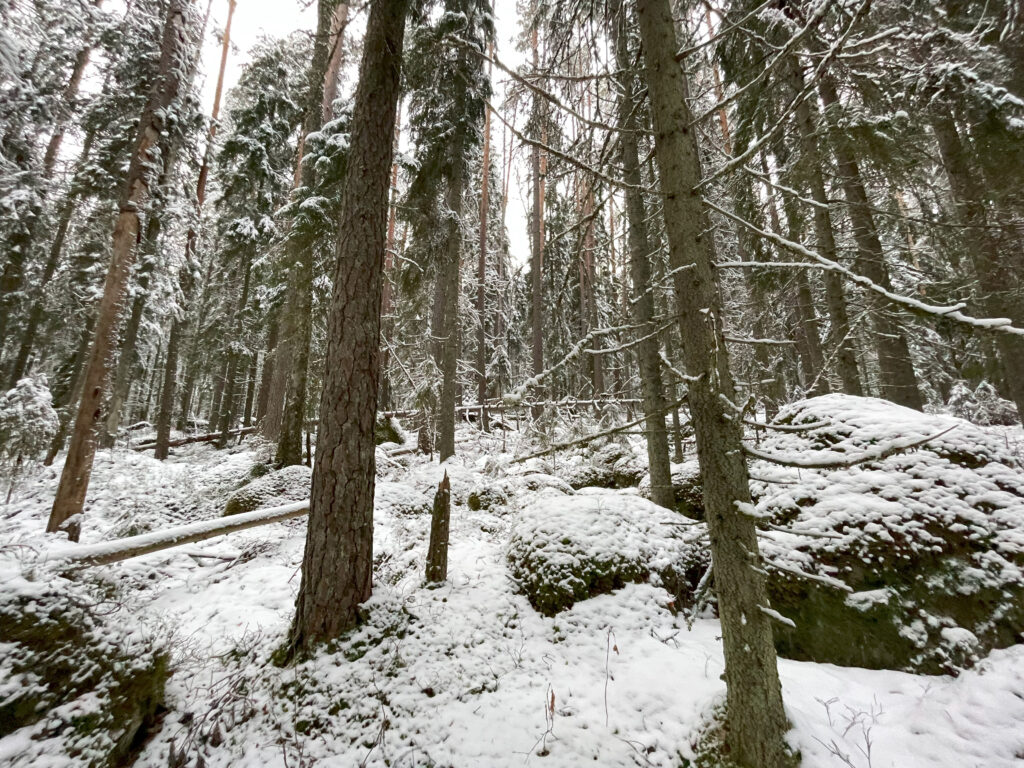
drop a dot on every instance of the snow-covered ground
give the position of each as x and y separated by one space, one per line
468 674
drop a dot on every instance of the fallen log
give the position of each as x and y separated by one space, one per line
209 437
117 550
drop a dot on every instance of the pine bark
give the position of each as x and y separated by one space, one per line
74 482
337 568
757 721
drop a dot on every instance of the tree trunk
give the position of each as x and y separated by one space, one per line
898 381
757 721
997 280
448 277
74 481
267 374
337 567
481 272
846 357
180 325
655 406
236 360
299 320
437 550
537 241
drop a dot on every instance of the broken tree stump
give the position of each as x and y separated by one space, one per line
437 551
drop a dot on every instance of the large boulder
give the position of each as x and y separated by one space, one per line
283 486
930 541
569 548
688 487
72 678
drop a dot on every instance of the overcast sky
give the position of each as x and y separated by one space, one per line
278 18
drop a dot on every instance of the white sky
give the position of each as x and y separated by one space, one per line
278 18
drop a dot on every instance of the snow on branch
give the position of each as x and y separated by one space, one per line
516 395
1002 324
877 453
594 436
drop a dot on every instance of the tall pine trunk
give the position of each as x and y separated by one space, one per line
639 245
757 721
337 567
74 482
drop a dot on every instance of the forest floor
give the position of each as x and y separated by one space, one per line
468 674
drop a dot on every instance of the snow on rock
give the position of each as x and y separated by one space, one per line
286 484
689 489
931 540
78 674
566 549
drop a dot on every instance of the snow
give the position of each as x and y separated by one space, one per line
464 674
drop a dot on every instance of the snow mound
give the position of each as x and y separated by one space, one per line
569 548
280 487
400 499
930 540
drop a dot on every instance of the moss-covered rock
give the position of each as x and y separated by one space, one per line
72 675
569 548
688 486
280 487
490 497
387 430
930 541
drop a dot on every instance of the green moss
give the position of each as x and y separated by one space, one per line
64 652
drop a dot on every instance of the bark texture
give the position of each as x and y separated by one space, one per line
755 713
655 405
440 522
337 568
74 482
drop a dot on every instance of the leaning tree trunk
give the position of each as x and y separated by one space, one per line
757 721
997 279
899 383
74 481
337 567
655 406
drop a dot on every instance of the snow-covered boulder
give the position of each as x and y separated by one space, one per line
74 680
686 481
930 541
609 466
286 485
569 548
400 499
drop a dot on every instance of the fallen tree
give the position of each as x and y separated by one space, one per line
115 551
208 437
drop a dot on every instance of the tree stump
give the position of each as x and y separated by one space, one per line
437 552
